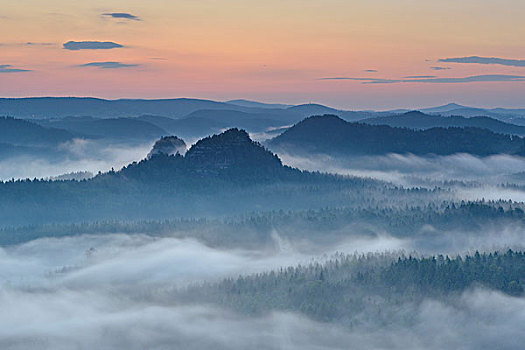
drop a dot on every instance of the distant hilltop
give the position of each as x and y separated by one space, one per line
59 107
329 134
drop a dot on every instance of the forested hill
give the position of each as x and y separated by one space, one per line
332 135
229 156
24 133
219 175
355 289
418 120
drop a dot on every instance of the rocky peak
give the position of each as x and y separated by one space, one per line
169 145
231 149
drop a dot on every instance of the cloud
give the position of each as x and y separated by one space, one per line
485 60
87 292
471 79
108 65
122 15
370 70
91 45
30 43
410 170
73 156
440 68
419 76
7 68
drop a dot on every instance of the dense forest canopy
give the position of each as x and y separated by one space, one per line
345 287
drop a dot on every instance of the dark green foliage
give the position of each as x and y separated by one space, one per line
343 287
324 226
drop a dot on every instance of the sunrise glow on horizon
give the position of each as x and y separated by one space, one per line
346 54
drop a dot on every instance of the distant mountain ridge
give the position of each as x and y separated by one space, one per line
509 115
109 128
23 133
332 135
248 103
58 107
419 120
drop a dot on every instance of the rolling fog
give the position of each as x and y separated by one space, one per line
113 291
482 175
79 155
409 169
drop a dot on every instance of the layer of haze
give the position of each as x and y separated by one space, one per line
270 51
78 156
113 291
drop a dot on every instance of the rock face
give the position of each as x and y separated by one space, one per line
231 149
231 156
169 145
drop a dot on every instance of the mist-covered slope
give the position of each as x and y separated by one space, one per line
345 288
208 122
330 134
219 175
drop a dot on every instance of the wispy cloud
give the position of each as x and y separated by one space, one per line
30 43
440 68
122 15
419 76
91 45
486 60
108 65
370 70
7 68
471 79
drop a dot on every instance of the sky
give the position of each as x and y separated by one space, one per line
358 54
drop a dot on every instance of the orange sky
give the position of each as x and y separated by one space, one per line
268 50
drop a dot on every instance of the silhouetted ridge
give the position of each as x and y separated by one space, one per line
421 121
231 149
22 132
231 156
169 145
330 134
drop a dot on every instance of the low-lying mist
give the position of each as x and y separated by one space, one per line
412 170
112 291
80 155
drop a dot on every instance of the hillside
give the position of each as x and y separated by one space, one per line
208 122
248 103
509 115
169 145
59 107
330 134
224 174
418 120
374 283
229 156
24 133
62 107
130 129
